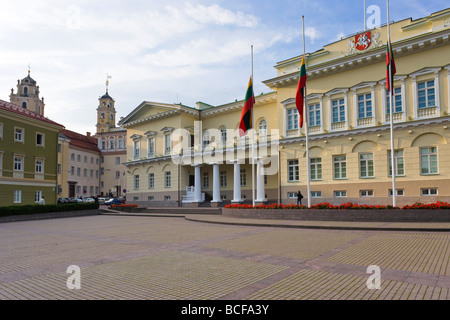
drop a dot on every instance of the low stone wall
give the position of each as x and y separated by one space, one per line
387 215
49 215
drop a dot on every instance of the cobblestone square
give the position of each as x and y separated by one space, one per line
171 258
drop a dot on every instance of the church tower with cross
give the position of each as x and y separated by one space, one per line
27 95
106 113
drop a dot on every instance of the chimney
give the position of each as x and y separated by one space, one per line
88 134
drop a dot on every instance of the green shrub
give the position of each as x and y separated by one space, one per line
38 208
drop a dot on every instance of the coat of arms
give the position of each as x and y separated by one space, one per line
363 40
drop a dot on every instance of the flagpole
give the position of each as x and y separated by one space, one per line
306 124
253 144
391 118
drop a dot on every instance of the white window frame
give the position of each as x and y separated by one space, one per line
366 193
18 161
223 179
136 149
293 165
136 182
341 166
42 144
429 191
37 195
167 143
316 194
314 115
167 179
397 157
369 162
39 165
242 178
205 180
17 196
315 168
150 147
151 180
340 193
399 192
19 134
429 160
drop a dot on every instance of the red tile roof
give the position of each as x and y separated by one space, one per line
11 107
80 140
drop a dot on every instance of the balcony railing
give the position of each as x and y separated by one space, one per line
365 122
427 112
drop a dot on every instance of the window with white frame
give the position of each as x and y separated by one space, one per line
167 198
396 101
37 195
40 139
428 160
150 147
292 195
366 165
72 156
117 160
223 179
18 163
19 134
167 179
340 166
426 94
150 198
136 182
205 180
293 170
429 191
167 143
338 110
206 139
314 115
151 180
364 105
103 145
316 168
17 196
243 178
111 144
340 194
136 149
39 166
316 194
366 193
400 192
223 135
399 163
84 172
262 128
120 144
79 158
292 119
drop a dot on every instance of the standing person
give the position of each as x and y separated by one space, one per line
299 197
42 201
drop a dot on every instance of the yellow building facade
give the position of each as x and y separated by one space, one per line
348 118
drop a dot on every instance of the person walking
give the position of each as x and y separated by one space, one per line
299 197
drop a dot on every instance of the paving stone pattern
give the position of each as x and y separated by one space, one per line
169 258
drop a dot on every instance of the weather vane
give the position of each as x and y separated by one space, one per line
107 81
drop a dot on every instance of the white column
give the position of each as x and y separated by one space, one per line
197 185
260 195
237 182
216 183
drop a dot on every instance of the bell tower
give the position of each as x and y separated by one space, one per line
27 95
106 113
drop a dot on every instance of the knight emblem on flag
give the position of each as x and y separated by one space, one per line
363 40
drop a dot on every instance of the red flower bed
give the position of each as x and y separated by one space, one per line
123 205
344 206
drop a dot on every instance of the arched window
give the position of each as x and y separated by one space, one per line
102 115
25 91
262 128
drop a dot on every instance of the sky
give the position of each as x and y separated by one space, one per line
172 51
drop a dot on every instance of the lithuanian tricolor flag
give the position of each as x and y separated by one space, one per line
390 61
299 97
246 116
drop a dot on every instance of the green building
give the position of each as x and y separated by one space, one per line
28 156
